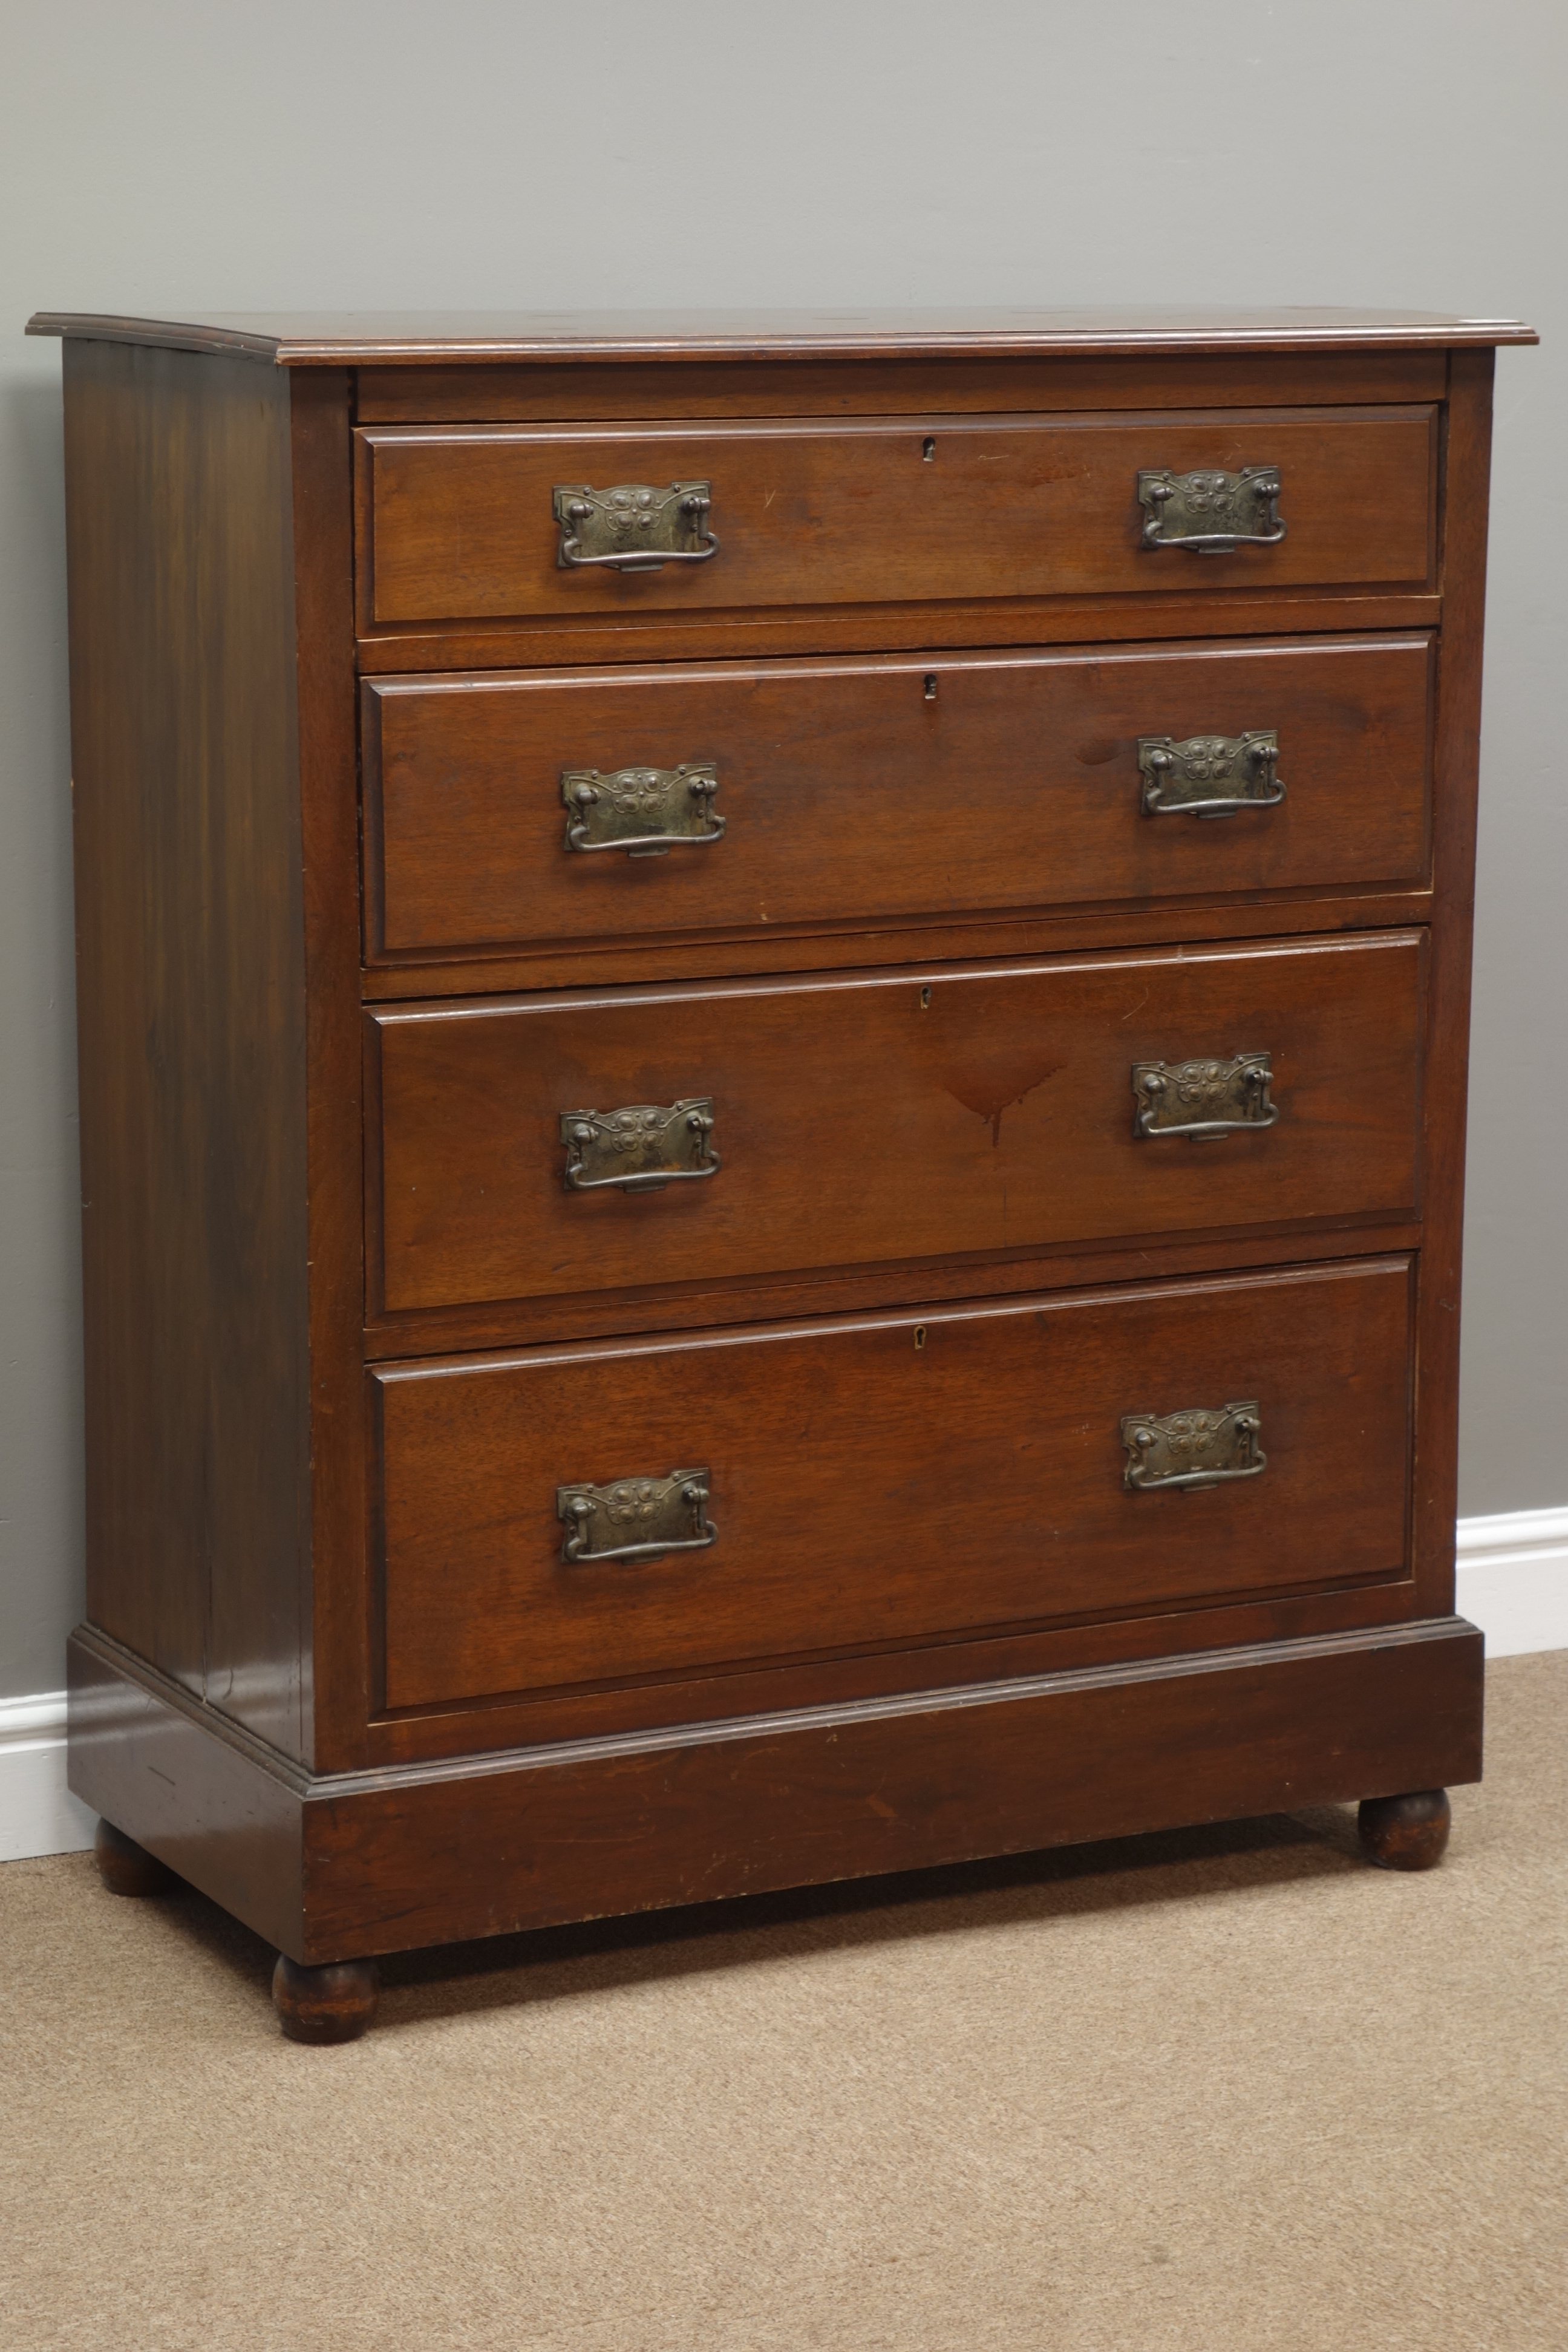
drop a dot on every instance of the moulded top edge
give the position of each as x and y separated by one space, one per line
306 339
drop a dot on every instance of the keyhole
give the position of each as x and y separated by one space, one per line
928 451
931 686
919 1335
925 1000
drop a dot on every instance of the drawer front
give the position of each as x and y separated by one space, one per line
459 522
878 789
860 1120
887 1482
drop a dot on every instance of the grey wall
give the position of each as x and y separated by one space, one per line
182 153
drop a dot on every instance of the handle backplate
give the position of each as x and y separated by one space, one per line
641 1148
635 1518
642 810
1210 512
1200 1099
1200 1446
1209 776
633 528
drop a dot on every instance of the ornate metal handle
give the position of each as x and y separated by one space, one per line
633 528
1209 776
642 810
1211 514
652 1515
642 1148
1197 1447
1200 1099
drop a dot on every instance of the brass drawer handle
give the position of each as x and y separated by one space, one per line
1199 1099
635 1518
641 1148
642 810
1209 776
1197 1447
633 528
1211 514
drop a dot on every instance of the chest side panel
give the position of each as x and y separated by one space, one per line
191 1007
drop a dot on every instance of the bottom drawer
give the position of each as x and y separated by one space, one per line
888 1480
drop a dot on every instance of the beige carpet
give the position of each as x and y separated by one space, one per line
1227 2090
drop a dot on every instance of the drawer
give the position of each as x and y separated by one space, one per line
887 1482
852 790
861 1118
460 522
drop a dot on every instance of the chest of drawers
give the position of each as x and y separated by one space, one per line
772 1029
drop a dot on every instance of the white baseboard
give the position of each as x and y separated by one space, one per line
38 1812
1513 1580
1512 1583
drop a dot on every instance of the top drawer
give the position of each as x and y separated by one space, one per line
460 523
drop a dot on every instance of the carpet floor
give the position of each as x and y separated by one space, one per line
1220 2091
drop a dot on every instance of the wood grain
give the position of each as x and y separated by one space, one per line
1446 1072
294 339
862 1118
354 1864
467 1727
780 947
894 1478
1405 1833
853 1290
218 1806
457 521
1002 1771
126 1868
882 789
540 391
327 2004
336 1657
339 1676
191 1008
762 633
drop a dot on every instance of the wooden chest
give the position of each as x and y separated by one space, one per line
773 1027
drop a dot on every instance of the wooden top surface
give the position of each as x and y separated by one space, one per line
347 338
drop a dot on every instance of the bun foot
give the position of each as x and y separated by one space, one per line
1404 1832
127 1868
334 2003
